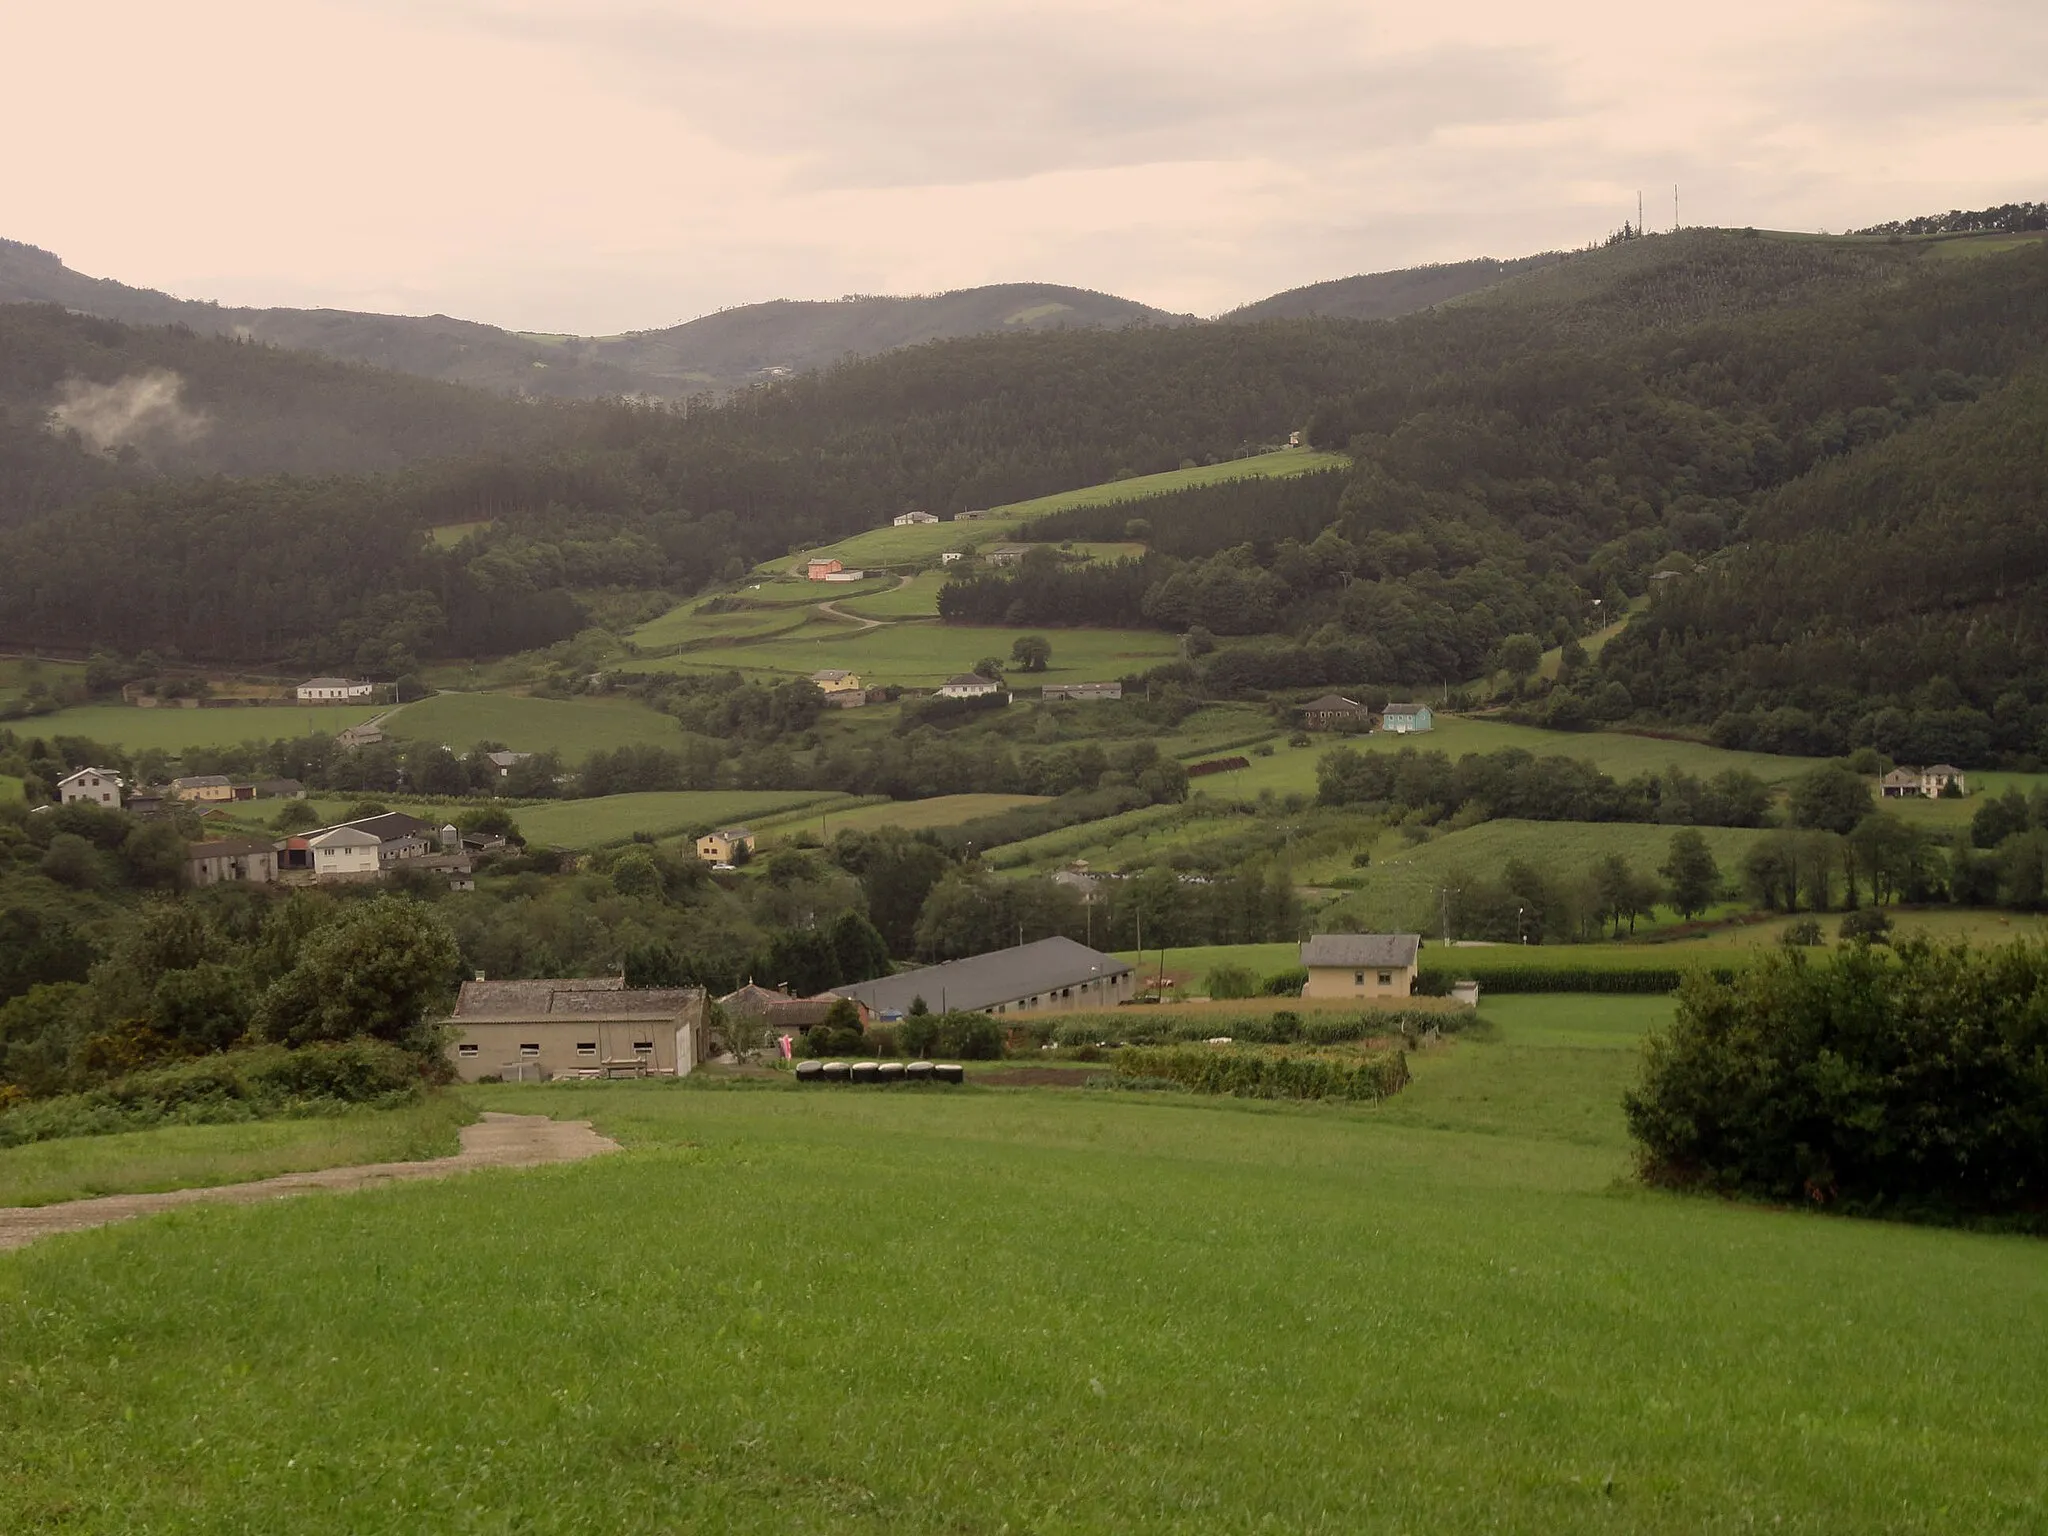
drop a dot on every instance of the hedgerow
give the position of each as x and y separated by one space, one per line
1269 1074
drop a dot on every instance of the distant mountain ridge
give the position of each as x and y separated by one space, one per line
714 353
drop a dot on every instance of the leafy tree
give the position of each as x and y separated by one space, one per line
1830 798
860 949
1031 652
375 969
1520 656
1692 878
635 874
205 1008
990 667
1866 925
294 816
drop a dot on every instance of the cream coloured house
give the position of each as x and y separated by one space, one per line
1361 964
728 845
91 786
345 853
831 681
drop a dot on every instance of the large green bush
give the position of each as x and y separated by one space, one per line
256 1084
1911 1084
1269 1074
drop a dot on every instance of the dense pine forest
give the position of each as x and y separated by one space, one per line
1817 462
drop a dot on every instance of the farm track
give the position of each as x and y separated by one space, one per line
496 1141
831 610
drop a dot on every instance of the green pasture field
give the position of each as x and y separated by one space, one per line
1113 551
1954 815
448 535
919 655
174 730
687 627
1402 882
200 1156
797 592
1054 1310
911 815
918 600
660 813
573 727
926 541
1293 769
12 789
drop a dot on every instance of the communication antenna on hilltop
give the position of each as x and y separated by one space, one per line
1675 225
1639 211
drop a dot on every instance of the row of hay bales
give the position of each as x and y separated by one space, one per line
871 1073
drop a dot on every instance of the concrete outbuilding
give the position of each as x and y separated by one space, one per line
591 1026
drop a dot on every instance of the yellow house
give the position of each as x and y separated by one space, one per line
831 681
1361 964
204 786
728 845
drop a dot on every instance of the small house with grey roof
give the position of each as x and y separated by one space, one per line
1361 964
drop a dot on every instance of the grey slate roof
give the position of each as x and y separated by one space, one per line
569 997
1002 976
1330 704
1361 951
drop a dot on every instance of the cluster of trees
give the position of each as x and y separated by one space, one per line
1525 904
2005 218
187 978
1906 1085
1515 783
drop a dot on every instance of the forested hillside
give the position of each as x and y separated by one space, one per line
1792 412
1387 295
87 404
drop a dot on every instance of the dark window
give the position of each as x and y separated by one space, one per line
643 1047
465 1050
529 1049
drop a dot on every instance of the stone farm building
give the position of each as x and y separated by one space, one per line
1361 964
1005 554
842 689
368 734
576 1027
333 690
910 518
90 786
243 859
1082 691
818 570
1048 975
1931 783
1332 711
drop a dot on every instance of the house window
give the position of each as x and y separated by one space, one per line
466 1050
528 1051
586 1047
1386 978
1358 978
643 1047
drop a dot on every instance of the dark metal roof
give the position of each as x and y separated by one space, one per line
1003 976
1361 951
572 997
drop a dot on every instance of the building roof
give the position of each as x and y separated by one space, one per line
731 832
1903 776
280 786
970 679
203 781
507 759
1946 770
228 847
392 826
1405 709
1361 951
342 837
331 682
1329 703
1002 976
569 999
752 999
79 773
829 675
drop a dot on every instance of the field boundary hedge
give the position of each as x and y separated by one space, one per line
266 1082
1561 978
1269 1075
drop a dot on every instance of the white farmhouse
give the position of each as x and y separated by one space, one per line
968 685
333 690
90 786
909 519
344 852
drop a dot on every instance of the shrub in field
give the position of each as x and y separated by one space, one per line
255 1084
1546 978
969 1036
1269 1074
1231 981
1914 1084
1287 983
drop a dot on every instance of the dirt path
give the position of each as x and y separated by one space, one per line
496 1141
832 610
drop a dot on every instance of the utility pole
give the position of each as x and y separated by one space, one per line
1675 225
1639 214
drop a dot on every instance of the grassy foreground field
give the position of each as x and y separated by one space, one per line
1038 1310
199 1156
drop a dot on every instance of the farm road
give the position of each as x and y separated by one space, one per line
496 1141
831 610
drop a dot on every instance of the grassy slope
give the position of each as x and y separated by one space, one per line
11 789
587 823
573 727
1055 1311
911 815
173 730
922 655
196 1156
881 546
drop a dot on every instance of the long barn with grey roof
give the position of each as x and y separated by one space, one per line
1048 975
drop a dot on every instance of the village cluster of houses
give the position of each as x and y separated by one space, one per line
598 1027
828 568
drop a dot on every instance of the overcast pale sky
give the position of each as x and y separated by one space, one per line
603 165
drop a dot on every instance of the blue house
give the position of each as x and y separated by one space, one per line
1401 719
